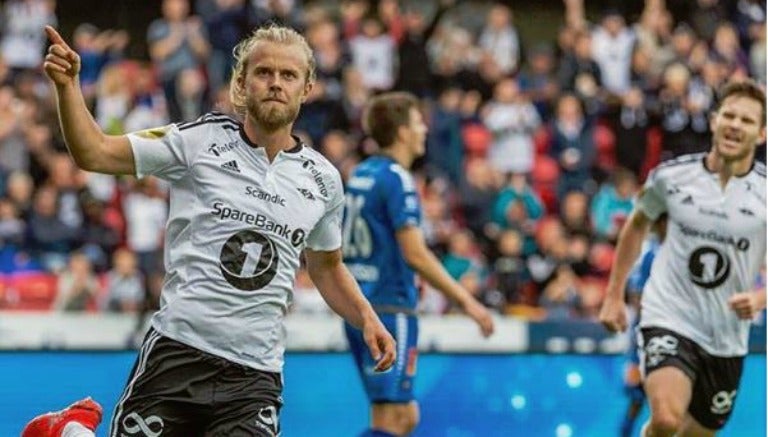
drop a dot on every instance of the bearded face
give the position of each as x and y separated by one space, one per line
272 113
275 84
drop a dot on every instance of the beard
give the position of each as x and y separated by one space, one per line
272 115
734 154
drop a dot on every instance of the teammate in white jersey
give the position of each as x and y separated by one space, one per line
699 300
246 200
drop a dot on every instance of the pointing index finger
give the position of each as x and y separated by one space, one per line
55 37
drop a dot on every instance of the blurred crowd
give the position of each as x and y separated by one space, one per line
534 154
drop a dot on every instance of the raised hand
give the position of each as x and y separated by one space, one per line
62 64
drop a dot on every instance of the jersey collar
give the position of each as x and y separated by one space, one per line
295 149
707 169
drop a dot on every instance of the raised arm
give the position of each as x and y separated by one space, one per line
91 149
341 292
613 313
423 261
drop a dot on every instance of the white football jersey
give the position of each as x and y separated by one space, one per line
236 228
715 246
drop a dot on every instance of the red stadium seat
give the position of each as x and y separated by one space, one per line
29 291
542 140
544 177
605 144
652 152
477 139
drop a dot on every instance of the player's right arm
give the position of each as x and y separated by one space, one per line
91 149
613 312
422 260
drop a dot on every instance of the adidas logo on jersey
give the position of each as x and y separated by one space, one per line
231 166
307 194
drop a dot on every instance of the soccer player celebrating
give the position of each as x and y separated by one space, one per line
698 302
246 200
383 246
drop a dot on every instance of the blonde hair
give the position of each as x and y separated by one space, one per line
273 33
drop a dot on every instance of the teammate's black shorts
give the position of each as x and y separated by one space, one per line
715 379
175 390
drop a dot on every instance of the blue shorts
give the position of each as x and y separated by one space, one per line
396 384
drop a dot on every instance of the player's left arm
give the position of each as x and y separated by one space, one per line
340 290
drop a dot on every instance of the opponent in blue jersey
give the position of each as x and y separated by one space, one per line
633 383
384 248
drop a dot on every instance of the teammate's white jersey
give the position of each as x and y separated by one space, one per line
236 227
714 247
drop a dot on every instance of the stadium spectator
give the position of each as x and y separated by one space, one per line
518 207
512 119
50 239
445 149
509 272
414 73
99 239
499 41
475 198
177 41
226 23
78 285
97 48
631 121
22 42
612 44
124 284
19 190
373 54
613 203
12 226
572 145
537 79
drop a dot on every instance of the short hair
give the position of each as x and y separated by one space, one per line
273 33
743 88
386 113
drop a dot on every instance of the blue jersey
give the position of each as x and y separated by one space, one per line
642 269
381 198
635 283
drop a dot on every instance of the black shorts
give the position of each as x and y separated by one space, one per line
715 379
177 390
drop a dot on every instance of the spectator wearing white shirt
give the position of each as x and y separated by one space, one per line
612 44
499 40
22 41
373 54
512 119
124 283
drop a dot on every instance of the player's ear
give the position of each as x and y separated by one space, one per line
307 89
712 117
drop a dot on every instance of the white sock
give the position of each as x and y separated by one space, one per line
75 429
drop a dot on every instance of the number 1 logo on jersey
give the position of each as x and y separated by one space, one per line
248 260
708 267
